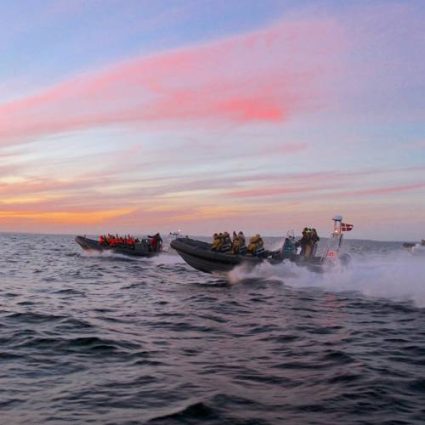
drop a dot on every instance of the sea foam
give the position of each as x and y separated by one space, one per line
395 275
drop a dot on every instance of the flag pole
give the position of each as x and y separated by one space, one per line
336 238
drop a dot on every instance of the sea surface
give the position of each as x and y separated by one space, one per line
105 339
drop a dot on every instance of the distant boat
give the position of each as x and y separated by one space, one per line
415 247
200 256
412 244
146 247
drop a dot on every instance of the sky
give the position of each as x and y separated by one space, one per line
264 116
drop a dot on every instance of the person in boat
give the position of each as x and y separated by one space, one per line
256 245
236 243
242 243
227 243
113 241
217 241
289 247
131 242
155 242
306 243
241 237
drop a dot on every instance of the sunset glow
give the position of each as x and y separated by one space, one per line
207 120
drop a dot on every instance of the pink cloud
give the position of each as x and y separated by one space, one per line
283 148
256 77
340 184
389 189
270 191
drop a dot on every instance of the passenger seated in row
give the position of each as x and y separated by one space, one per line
223 243
238 243
256 245
116 240
217 241
227 243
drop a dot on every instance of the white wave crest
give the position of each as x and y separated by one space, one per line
395 275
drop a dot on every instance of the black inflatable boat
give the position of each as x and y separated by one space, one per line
142 248
200 256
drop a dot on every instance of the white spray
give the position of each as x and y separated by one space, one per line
395 275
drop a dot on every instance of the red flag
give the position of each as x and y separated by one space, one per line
346 227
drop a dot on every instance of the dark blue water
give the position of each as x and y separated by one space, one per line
92 339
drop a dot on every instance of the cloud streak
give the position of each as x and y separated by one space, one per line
255 77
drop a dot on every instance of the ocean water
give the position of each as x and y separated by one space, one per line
105 339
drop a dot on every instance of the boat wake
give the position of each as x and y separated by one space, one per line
393 275
167 258
109 255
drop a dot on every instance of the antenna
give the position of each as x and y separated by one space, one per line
335 241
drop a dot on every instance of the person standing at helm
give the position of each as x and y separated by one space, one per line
155 242
158 242
305 243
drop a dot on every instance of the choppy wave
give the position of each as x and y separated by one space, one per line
104 339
